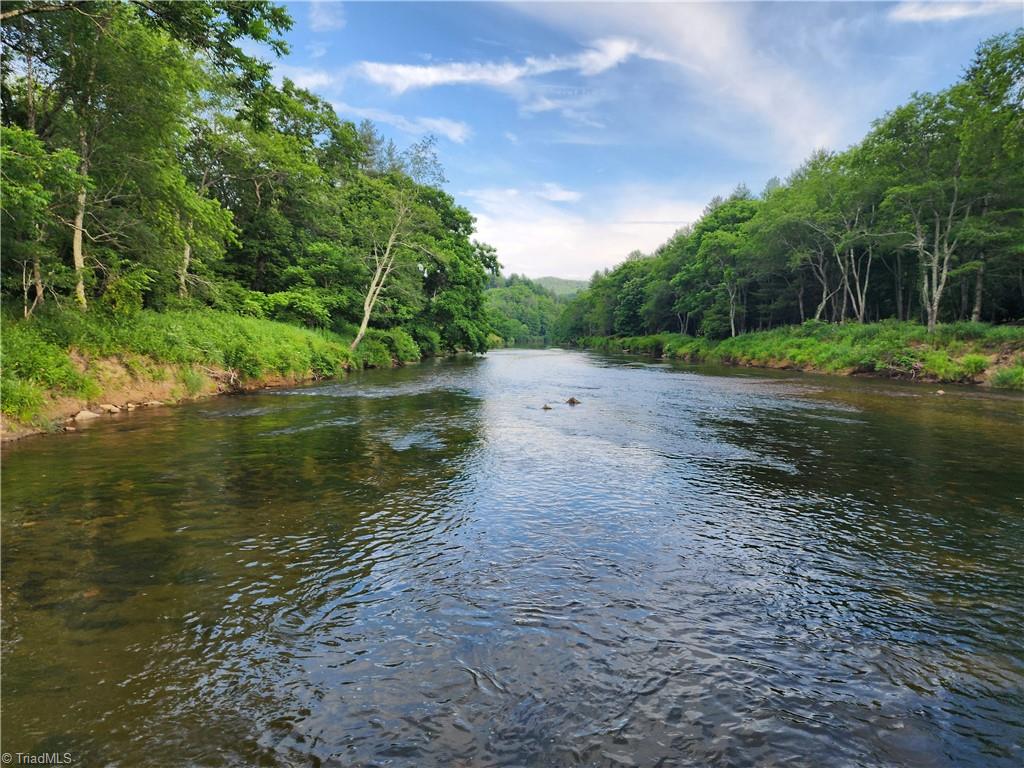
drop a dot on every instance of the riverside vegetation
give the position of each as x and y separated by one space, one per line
919 226
172 216
166 204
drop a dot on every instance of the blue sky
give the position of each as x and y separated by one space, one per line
577 132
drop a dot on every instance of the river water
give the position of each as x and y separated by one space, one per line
694 567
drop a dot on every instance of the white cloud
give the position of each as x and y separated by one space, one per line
403 77
556 193
453 130
304 77
537 237
326 16
602 55
943 11
719 63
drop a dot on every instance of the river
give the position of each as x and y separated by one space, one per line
419 567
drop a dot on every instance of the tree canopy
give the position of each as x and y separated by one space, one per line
922 219
149 161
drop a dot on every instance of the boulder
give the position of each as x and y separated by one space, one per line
940 391
84 415
151 403
109 408
130 406
546 407
573 401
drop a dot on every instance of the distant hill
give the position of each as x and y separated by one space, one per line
561 286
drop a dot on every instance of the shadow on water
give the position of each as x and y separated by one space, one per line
419 567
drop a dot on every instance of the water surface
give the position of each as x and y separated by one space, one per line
422 567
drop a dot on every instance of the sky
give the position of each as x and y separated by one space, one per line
579 132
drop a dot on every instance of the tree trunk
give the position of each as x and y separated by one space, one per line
979 289
186 257
376 283
77 256
732 310
899 286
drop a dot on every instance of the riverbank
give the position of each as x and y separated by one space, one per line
978 353
60 364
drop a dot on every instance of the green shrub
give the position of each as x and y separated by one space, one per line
124 294
974 364
426 338
193 381
373 353
1009 378
26 355
938 364
20 399
403 347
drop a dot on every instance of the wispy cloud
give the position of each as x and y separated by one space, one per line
326 16
717 62
556 193
602 55
305 77
943 11
453 130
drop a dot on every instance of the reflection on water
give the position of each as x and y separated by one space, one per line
422 567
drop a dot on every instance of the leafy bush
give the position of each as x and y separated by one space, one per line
401 344
937 364
193 381
1009 378
974 364
426 338
124 294
373 353
20 399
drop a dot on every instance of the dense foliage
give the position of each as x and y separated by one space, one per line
522 311
923 219
149 163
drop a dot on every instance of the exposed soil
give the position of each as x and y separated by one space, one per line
129 387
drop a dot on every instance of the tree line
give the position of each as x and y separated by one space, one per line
149 161
523 311
921 220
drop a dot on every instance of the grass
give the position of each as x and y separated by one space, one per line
956 352
36 354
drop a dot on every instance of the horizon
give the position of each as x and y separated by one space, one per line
579 133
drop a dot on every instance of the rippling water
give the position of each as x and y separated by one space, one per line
422 567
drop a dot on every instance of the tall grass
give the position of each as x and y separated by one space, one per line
36 354
955 352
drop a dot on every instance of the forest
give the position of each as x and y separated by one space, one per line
923 220
151 165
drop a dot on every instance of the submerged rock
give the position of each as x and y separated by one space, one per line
940 391
545 407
